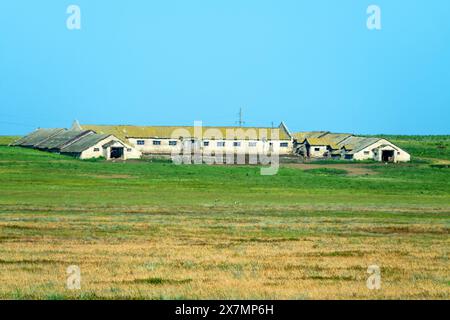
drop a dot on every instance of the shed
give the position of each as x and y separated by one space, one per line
101 145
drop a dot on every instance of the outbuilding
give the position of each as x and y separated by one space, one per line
378 149
101 145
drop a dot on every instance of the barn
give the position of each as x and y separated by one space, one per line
101 145
378 149
318 147
84 144
318 144
324 144
165 140
131 142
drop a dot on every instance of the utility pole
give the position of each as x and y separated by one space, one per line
241 120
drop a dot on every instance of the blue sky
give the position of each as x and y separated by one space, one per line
313 64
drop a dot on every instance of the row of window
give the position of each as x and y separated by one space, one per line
98 149
206 143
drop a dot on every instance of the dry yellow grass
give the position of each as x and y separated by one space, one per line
223 254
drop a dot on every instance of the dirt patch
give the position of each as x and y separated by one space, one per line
352 169
405 230
109 176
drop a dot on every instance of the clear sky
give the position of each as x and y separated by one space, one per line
313 64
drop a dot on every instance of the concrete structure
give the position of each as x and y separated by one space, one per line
84 144
131 142
101 145
361 148
318 147
167 140
324 144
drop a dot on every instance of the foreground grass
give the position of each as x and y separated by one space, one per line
160 231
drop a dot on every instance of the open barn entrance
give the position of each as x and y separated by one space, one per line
116 153
387 156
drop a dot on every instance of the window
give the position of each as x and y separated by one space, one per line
128 149
172 143
96 149
221 144
252 144
236 144
366 152
156 142
316 149
398 152
140 142
284 144
205 143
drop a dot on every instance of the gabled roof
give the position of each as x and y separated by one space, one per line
61 139
37 136
84 143
160 132
301 136
283 126
321 142
389 145
336 137
356 144
112 142
76 126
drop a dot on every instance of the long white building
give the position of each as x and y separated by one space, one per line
167 140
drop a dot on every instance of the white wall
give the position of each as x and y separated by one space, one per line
317 154
244 147
129 151
367 153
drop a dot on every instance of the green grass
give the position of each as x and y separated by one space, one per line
28 177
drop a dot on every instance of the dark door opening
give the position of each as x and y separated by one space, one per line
116 153
387 156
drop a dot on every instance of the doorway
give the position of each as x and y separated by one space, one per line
387 156
116 153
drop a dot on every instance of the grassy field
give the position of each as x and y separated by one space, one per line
5 140
159 231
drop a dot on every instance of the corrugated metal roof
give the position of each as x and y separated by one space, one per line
301 136
84 143
124 132
62 139
336 137
321 142
37 136
356 144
